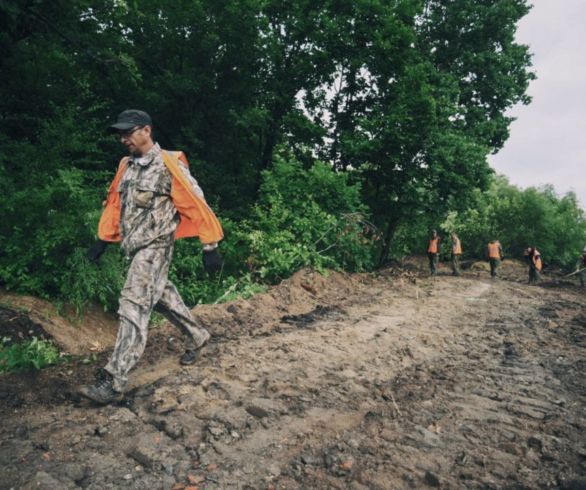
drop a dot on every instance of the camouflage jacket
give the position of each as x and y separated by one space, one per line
148 216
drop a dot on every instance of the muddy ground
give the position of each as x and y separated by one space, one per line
392 380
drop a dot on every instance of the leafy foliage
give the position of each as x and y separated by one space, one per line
243 288
307 218
82 282
387 109
521 219
421 112
50 207
27 355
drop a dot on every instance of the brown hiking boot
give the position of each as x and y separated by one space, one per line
191 355
102 391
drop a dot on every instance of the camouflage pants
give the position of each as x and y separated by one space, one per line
148 288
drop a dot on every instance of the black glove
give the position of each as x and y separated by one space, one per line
96 250
212 261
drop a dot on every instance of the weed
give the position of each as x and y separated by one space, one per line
31 354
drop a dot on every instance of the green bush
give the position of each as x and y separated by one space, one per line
520 219
302 217
27 355
83 282
53 189
412 237
307 218
242 288
189 276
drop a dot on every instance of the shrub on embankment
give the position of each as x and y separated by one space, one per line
302 217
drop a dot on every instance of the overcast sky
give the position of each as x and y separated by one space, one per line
547 143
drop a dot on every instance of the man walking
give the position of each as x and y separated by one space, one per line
456 252
495 255
152 201
433 252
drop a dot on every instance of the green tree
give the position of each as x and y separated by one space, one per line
419 101
403 97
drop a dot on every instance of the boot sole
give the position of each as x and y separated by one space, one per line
88 396
195 356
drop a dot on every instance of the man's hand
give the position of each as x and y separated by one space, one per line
96 250
212 261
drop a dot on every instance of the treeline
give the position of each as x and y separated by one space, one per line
518 218
321 131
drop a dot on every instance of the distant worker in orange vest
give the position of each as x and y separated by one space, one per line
495 255
456 252
433 252
152 201
534 258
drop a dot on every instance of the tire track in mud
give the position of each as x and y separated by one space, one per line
487 416
329 381
448 383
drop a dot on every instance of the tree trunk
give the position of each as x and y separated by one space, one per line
389 234
271 139
266 159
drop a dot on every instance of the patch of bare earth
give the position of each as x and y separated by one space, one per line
394 380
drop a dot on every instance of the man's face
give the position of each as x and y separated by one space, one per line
136 139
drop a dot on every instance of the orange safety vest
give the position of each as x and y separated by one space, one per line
432 248
536 258
195 216
456 247
493 251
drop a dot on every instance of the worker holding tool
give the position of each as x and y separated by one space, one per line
494 253
456 252
152 201
433 252
535 264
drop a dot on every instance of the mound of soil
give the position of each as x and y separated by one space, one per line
305 292
16 326
22 317
27 316
480 266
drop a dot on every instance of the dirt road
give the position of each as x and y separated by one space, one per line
388 381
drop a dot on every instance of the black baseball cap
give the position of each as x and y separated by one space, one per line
131 118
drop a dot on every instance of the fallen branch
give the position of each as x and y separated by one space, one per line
395 403
228 291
